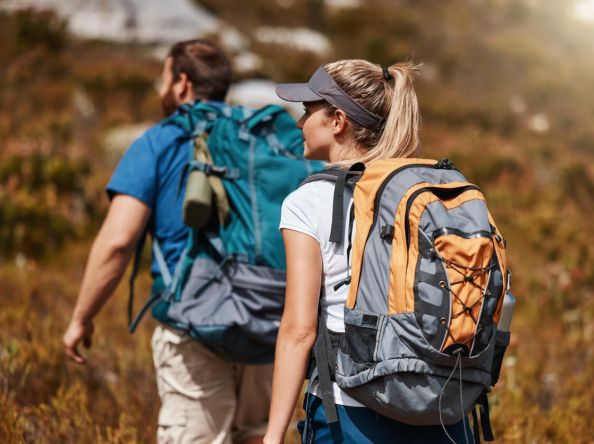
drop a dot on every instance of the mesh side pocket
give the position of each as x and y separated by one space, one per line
359 342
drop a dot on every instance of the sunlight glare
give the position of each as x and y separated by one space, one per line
583 10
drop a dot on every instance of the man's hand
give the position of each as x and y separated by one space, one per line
78 331
124 224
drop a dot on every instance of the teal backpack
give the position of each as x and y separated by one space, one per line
228 288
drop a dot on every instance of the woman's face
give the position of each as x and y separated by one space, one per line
317 131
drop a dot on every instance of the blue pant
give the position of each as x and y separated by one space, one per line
360 425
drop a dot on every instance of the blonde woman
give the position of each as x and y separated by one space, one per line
354 111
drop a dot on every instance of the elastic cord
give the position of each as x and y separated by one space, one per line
386 73
458 363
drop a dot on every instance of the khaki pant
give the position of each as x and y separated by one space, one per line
203 398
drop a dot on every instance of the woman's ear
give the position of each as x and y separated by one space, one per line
339 122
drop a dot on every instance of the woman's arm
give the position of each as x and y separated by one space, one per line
297 332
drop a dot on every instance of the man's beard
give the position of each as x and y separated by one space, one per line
168 103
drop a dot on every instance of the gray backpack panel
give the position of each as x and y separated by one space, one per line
404 375
236 303
375 272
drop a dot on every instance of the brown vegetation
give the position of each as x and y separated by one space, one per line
506 94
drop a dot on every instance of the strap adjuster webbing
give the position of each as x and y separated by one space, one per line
325 357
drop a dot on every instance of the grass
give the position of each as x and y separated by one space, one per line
44 398
59 96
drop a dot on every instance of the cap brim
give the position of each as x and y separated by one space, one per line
297 92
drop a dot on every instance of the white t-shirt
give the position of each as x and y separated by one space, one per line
309 210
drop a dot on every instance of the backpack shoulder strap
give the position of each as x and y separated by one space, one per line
329 174
133 319
342 178
325 358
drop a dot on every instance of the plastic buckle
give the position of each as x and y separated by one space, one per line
387 232
217 170
243 134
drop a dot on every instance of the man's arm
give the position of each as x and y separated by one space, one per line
113 247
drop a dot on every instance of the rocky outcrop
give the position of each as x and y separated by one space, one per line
152 22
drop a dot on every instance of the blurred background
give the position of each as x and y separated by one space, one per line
507 93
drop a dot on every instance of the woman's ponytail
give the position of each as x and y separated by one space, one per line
400 137
388 92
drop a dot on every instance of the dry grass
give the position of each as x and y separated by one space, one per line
46 399
540 188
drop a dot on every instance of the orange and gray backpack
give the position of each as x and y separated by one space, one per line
427 280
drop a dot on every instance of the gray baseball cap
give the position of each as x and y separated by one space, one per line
321 86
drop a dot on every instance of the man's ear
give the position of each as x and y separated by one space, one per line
183 88
339 122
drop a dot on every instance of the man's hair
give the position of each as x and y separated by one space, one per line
206 66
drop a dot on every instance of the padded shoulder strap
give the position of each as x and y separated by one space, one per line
342 179
329 174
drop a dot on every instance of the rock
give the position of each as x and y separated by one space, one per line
141 21
539 123
304 39
257 93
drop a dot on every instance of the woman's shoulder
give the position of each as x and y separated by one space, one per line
311 193
309 205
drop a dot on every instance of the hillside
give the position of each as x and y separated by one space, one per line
505 93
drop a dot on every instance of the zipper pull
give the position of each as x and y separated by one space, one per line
346 281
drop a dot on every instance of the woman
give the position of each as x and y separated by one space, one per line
355 111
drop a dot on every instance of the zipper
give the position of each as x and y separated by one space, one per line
384 184
454 191
448 230
379 337
378 197
450 307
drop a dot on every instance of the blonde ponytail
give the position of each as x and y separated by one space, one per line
393 99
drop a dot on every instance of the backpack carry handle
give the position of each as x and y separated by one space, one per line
262 115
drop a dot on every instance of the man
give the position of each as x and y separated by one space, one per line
203 398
